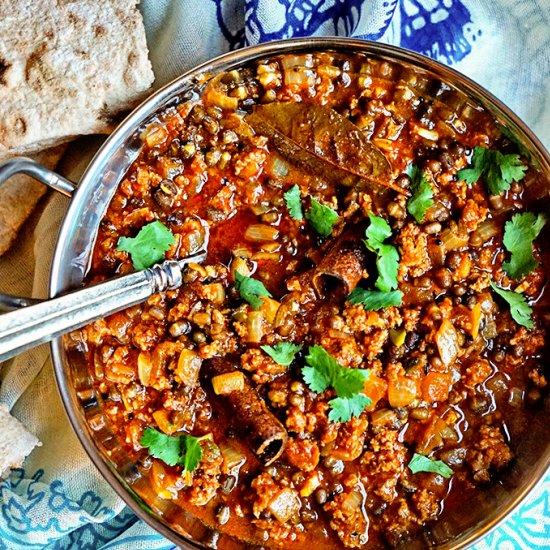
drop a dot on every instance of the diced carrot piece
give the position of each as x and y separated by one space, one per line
376 388
436 386
476 320
402 391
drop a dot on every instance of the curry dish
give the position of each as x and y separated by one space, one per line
364 344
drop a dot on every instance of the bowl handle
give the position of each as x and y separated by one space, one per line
24 165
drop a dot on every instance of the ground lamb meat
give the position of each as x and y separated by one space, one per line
206 477
413 249
489 451
350 439
348 518
426 504
302 454
264 369
384 460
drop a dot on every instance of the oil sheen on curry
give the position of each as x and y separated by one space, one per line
363 346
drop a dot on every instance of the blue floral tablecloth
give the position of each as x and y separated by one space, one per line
59 501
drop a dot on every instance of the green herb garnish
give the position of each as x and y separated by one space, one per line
181 450
148 246
250 289
324 372
498 170
283 352
387 257
421 463
519 234
343 408
294 203
421 194
373 300
321 218
519 308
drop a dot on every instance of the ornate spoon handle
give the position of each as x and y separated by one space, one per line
33 325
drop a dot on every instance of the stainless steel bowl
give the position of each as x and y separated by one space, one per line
71 261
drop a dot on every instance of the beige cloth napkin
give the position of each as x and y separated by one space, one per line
27 383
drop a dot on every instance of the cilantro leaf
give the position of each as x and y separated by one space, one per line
162 446
325 371
250 289
283 352
148 246
498 170
472 174
377 232
387 257
388 267
519 308
294 203
421 463
519 234
192 453
421 194
343 408
321 218
322 370
182 450
373 300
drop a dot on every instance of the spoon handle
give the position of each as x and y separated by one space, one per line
36 324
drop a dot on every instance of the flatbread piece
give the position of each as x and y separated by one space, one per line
16 443
20 194
66 67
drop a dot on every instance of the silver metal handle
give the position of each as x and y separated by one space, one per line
24 165
36 324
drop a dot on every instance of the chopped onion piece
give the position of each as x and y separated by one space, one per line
312 482
446 339
299 76
453 240
383 417
232 455
255 326
163 422
290 61
162 482
286 504
487 229
228 382
267 256
269 308
144 367
259 209
260 232
352 501
279 167
189 365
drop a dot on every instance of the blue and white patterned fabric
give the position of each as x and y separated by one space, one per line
59 501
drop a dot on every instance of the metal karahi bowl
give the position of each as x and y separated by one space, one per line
71 260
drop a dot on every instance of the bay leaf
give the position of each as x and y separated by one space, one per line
324 142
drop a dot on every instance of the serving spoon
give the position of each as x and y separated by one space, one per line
26 328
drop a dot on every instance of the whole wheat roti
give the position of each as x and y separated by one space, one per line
20 194
66 67
16 443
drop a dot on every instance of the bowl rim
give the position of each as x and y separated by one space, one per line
156 101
